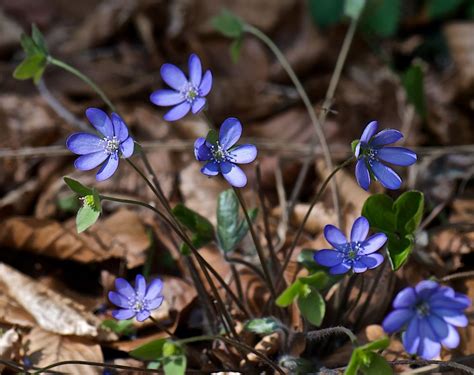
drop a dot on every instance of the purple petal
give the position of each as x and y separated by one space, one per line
154 303
373 243
397 319
386 137
334 236
206 84
369 131
90 161
154 289
451 316
230 132
397 156
210 169
120 128
140 286
411 337
357 150
360 229
460 302
123 314
405 298
173 76
362 174
124 287
438 325
244 154
359 267
328 258
177 112
108 168
339 269
127 147
84 143
372 260
143 315
429 348
233 174
386 175
195 70
452 339
201 151
119 300
424 289
99 119
166 97
198 105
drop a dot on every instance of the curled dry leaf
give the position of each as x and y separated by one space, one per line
11 312
46 348
268 345
121 235
52 311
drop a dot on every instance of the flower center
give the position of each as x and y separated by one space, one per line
87 201
423 309
352 250
370 153
219 154
137 304
190 92
110 144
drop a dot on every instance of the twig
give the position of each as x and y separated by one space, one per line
458 275
424 362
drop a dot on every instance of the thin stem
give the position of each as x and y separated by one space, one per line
257 243
83 77
249 265
305 219
163 328
338 330
458 275
246 347
304 97
424 362
97 364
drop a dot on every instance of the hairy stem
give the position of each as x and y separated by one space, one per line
338 330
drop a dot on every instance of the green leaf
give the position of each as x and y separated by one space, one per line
150 351
77 187
306 259
412 80
379 344
312 306
354 144
86 216
235 48
378 209
262 326
212 137
354 362
196 223
38 39
287 297
30 67
409 211
29 45
376 365
354 8
175 365
121 327
326 12
69 203
317 280
399 249
381 17
441 8
228 24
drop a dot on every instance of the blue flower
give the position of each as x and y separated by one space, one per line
113 141
136 302
186 94
221 156
371 150
428 315
357 254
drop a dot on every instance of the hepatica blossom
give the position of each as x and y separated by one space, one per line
136 302
357 254
428 315
372 150
222 156
186 94
113 142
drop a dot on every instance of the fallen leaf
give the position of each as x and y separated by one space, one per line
9 345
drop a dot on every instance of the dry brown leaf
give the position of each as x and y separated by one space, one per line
9 344
461 45
46 348
11 312
51 310
268 345
121 235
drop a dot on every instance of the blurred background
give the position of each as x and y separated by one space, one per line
410 66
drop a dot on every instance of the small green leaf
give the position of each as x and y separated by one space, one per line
69 203
38 38
412 80
317 280
121 327
354 8
381 17
77 187
378 209
29 45
193 221
379 344
86 216
306 259
287 297
175 365
312 306
409 211
399 249
150 351
235 48
228 24
376 365
212 137
441 8
326 12
354 144
262 326
354 362
30 67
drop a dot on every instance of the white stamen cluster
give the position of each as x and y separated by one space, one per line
110 144
190 92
